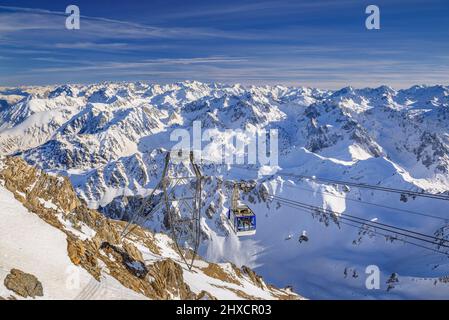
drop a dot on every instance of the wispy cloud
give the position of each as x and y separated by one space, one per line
315 72
92 45
141 65
226 9
17 19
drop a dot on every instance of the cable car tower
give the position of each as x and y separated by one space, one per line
178 197
240 217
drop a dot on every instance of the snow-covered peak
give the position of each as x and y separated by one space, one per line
109 138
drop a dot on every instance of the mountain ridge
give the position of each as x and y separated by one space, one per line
109 139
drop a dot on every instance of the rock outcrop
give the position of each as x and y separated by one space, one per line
24 284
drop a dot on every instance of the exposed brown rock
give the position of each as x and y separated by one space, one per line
254 277
162 280
76 251
283 294
106 232
169 280
134 266
132 251
132 274
215 271
83 253
23 284
138 233
237 271
204 295
33 183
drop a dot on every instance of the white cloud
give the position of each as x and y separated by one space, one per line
14 20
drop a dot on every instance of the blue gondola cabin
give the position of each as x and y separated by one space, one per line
242 220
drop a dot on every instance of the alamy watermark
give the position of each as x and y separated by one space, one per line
231 146
73 20
372 22
372 281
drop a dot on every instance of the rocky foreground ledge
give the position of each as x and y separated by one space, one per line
95 263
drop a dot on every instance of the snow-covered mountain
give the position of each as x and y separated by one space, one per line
110 138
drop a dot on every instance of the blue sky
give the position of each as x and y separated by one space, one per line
321 43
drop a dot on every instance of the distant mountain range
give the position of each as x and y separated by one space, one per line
109 138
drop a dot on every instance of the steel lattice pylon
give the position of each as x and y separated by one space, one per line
178 196
183 218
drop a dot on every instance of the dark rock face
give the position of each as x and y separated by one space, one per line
432 151
24 284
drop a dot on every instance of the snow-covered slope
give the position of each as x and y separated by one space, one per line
75 253
29 243
109 139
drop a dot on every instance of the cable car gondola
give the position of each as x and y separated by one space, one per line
241 218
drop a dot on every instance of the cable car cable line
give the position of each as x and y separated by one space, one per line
370 203
358 185
373 187
399 239
372 224
366 221
308 211
355 217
